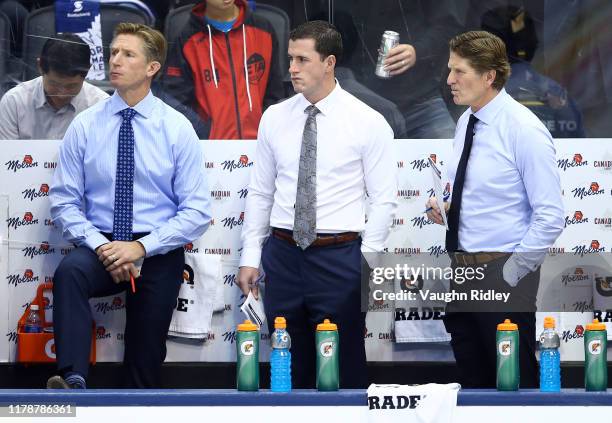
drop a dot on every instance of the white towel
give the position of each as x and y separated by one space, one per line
192 316
418 320
430 403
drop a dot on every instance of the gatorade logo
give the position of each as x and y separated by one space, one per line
326 349
595 347
50 348
505 348
247 347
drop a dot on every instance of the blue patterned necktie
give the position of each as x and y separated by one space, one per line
305 222
124 180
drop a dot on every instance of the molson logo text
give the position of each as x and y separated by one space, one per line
189 248
232 165
105 307
233 221
229 336
594 189
576 219
32 193
101 333
568 335
420 164
436 250
26 163
577 276
26 220
16 279
577 161
421 221
33 251
595 247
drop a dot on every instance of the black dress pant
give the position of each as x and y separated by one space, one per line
473 328
81 276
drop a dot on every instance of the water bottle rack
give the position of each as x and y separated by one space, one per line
40 347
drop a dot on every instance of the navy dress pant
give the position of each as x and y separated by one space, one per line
307 286
81 276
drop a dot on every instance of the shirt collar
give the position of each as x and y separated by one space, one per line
40 98
326 104
489 111
144 106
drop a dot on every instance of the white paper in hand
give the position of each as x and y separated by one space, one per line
254 310
438 187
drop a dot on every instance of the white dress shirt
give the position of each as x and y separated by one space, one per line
512 192
25 113
354 154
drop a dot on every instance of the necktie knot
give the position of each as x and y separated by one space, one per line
128 114
311 110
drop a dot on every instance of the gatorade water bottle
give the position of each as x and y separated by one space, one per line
508 374
280 358
595 357
327 343
247 357
550 360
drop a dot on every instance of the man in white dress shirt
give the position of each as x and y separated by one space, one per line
318 153
506 208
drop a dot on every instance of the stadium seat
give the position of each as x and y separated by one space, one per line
40 24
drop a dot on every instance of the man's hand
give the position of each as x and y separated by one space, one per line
247 279
122 273
433 212
116 254
400 58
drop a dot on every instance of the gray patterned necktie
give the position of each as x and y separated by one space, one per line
305 223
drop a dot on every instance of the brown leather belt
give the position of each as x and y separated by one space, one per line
322 240
470 259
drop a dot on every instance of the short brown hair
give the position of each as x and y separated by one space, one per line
155 44
485 52
325 35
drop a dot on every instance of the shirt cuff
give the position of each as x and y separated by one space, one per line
151 244
251 257
94 240
513 271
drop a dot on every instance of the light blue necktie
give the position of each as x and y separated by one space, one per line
124 180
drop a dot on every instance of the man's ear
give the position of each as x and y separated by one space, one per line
331 62
154 67
38 65
490 77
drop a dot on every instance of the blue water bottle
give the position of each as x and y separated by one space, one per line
550 360
33 323
280 359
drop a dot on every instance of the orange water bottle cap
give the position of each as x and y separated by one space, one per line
549 322
247 326
507 325
596 325
327 325
280 323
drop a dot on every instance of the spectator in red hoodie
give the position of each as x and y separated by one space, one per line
242 48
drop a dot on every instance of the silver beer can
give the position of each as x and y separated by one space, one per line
389 40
